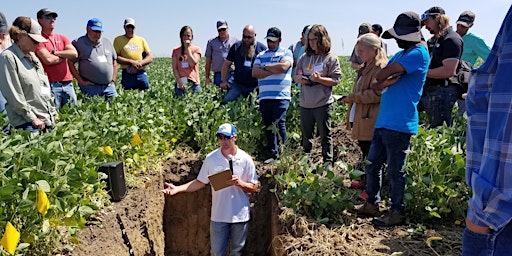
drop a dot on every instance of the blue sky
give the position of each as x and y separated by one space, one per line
160 21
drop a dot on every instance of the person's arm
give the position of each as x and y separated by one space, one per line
224 74
333 73
69 52
192 186
207 70
175 63
247 187
481 49
382 76
192 57
114 75
447 70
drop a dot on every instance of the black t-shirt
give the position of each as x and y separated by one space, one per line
243 72
448 46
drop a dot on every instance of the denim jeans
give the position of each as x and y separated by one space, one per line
274 111
99 90
2 103
322 117
221 233
387 146
495 243
236 90
137 81
438 104
63 93
30 127
193 87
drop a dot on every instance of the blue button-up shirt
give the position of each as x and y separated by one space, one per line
489 134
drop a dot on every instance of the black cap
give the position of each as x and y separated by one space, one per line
377 27
432 12
273 34
466 18
46 11
407 27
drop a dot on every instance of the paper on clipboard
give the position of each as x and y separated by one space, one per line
218 180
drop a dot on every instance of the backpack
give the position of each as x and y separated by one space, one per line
461 77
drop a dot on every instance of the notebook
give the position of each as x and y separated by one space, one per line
218 180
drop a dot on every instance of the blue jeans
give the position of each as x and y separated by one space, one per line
221 233
63 93
274 112
30 127
194 87
438 103
98 90
495 243
322 117
137 81
236 90
217 78
2 103
387 146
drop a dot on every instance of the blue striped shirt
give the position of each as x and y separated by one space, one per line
489 135
275 86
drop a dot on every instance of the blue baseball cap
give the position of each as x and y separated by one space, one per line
227 130
95 24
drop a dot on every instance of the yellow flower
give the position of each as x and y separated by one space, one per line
107 150
43 204
11 238
173 140
136 139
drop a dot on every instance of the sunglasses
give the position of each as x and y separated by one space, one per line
222 137
247 37
50 17
221 29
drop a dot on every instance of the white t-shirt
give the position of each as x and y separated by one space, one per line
231 204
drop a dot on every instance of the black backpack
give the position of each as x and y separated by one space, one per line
461 77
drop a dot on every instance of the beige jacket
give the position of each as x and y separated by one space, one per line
366 102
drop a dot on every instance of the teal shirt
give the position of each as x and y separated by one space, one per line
474 47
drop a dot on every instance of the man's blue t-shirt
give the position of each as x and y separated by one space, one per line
243 73
398 105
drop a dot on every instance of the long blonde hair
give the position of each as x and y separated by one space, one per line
372 41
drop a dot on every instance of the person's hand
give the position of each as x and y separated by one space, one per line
187 43
181 85
224 85
207 81
346 100
37 123
315 77
169 189
234 180
83 82
132 70
464 95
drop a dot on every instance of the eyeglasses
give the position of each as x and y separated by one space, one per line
130 27
312 39
50 17
247 37
222 137
221 29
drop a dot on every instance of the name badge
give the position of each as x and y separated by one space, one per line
247 63
224 55
102 58
45 90
318 67
184 64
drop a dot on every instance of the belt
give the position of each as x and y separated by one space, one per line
63 82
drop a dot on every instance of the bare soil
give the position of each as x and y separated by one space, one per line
179 225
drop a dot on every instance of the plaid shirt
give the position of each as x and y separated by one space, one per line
489 134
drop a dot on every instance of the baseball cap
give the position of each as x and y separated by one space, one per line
273 34
129 21
31 27
222 24
407 27
226 130
466 18
432 11
364 28
95 24
4 28
46 11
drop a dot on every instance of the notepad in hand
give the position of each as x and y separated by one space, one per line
218 180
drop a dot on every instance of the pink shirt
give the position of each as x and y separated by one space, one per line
59 71
184 69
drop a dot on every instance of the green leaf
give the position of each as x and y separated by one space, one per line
43 184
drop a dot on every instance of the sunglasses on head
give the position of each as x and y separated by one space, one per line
223 137
247 37
221 29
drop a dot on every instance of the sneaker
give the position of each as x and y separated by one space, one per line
390 219
269 161
358 184
367 209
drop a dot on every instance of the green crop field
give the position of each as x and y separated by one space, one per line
62 163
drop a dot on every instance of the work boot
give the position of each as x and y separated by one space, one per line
392 218
367 209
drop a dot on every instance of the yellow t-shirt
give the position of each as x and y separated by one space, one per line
131 48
